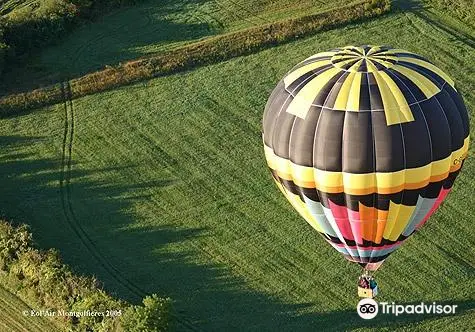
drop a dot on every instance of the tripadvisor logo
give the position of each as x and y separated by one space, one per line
369 308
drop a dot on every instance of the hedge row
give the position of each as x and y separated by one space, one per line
41 280
209 51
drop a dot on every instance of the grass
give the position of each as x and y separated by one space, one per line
462 9
12 318
150 27
162 187
204 52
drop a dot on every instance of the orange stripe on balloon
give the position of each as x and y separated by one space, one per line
369 216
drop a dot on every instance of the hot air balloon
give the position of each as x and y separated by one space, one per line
365 143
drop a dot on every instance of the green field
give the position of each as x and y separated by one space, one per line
150 27
13 320
162 187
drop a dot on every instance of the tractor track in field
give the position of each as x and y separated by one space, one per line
251 13
68 210
248 19
65 190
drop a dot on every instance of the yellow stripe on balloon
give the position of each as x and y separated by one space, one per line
305 97
373 50
459 156
342 98
380 182
353 103
430 67
359 180
293 76
397 51
320 55
398 217
395 105
381 61
327 179
423 83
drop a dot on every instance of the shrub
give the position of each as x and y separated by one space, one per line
13 243
153 316
101 302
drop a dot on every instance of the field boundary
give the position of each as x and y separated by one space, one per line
208 51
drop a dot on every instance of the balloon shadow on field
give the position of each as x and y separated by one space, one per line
97 238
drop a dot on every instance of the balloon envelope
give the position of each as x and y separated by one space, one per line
365 143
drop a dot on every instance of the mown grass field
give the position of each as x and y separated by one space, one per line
162 187
13 320
150 27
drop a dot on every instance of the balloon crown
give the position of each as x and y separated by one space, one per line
365 59
365 78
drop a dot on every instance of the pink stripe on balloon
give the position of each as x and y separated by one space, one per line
357 227
340 213
353 215
442 195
